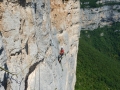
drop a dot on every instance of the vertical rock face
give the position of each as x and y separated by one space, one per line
32 33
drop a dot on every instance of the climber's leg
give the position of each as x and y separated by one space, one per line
59 58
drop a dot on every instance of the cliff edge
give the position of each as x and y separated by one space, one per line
31 35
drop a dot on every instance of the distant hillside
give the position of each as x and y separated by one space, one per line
98 65
98 3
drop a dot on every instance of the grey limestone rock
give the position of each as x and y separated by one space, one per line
32 36
93 18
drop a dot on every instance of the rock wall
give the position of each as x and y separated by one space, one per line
92 18
31 35
104 1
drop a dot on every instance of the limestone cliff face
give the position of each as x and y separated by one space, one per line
92 18
32 32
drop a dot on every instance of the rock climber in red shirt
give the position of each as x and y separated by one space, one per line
61 54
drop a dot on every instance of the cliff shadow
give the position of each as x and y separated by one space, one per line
65 1
111 15
31 69
1 0
4 82
1 50
22 3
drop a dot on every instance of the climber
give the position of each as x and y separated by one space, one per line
61 54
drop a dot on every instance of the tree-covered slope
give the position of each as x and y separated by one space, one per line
98 65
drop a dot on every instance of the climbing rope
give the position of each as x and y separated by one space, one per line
7 71
39 77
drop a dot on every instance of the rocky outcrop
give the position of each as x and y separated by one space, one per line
105 1
32 32
92 18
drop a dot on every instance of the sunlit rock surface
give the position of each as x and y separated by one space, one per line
92 18
32 33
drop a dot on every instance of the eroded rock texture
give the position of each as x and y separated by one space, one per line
92 18
32 32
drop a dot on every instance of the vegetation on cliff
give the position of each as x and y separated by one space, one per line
98 65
